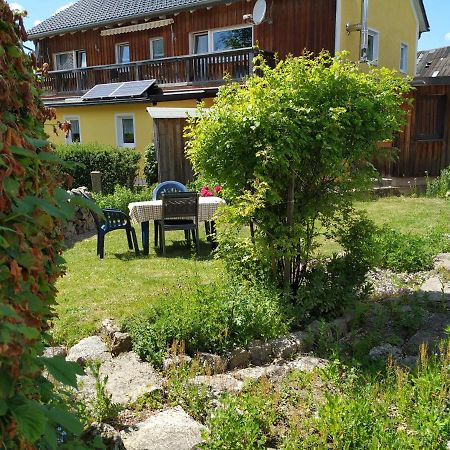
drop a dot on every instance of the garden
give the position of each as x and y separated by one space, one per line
321 320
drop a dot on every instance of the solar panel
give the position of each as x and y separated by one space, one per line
133 88
117 90
101 91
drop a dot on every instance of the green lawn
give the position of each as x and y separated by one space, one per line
121 284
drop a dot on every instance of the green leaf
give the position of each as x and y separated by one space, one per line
14 51
67 420
31 420
38 143
3 407
50 437
62 370
51 157
6 383
22 151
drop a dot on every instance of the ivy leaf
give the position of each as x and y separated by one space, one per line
67 420
31 421
64 371
38 143
52 157
22 151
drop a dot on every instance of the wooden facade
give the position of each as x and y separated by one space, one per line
424 145
293 26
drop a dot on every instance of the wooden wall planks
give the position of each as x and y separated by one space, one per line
296 25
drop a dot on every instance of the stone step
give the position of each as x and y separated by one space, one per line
386 191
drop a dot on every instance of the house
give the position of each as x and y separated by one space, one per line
179 51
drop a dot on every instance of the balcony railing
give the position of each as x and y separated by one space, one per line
194 69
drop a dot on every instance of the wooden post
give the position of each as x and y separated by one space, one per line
96 181
289 223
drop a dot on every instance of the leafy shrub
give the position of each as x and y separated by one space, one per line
117 165
150 165
331 286
441 185
403 252
212 318
121 197
32 210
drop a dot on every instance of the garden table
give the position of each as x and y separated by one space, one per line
143 212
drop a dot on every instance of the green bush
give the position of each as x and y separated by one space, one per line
441 185
121 197
212 318
117 165
403 252
150 165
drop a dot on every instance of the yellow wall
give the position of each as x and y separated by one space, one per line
98 123
394 20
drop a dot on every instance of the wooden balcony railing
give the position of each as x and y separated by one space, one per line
195 69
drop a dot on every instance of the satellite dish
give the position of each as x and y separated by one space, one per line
259 12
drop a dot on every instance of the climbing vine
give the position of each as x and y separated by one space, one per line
32 210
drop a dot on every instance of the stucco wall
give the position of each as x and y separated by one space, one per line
394 20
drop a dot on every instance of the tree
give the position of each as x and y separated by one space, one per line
32 209
291 146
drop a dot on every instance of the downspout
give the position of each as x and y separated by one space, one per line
363 28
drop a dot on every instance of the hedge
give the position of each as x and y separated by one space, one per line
119 166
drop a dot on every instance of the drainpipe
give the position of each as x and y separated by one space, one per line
363 28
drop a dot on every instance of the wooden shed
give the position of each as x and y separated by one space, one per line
168 129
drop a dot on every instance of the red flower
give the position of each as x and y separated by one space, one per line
217 189
208 194
204 190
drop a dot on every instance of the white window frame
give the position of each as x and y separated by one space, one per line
211 38
376 46
69 137
74 58
119 129
118 45
151 47
404 69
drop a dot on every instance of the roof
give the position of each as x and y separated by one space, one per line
91 13
424 25
433 63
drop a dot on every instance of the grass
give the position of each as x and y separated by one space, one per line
123 284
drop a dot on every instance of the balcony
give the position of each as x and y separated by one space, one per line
202 69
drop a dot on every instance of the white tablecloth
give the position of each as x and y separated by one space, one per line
152 210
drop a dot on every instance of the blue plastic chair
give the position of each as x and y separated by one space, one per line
111 220
167 187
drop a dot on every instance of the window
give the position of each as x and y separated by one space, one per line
223 39
126 136
75 132
64 61
403 58
430 117
200 43
70 60
372 46
80 57
156 48
123 53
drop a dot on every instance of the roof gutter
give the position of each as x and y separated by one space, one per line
34 36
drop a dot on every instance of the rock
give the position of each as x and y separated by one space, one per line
339 327
219 383
284 347
303 341
50 352
260 352
128 379
176 361
90 348
436 290
430 338
111 438
409 362
172 429
272 372
214 363
442 261
120 343
238 358
108 329
385 351
307 363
